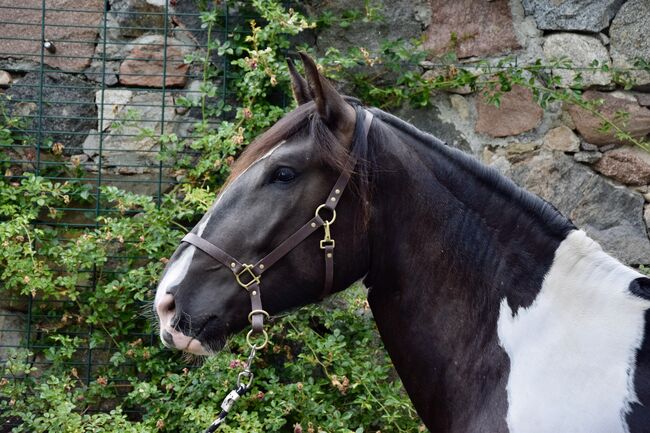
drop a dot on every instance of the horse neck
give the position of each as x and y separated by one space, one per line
448 241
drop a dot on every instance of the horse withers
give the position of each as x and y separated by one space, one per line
498 314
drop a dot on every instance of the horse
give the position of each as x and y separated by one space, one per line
498 314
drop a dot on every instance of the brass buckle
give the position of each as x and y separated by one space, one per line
254 278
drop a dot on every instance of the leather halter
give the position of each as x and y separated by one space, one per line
248 276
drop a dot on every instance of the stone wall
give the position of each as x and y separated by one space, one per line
109 82
597 180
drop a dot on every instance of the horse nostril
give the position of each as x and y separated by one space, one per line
167 305
168 338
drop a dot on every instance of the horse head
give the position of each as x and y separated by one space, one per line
274 190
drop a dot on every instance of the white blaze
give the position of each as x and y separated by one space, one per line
572 352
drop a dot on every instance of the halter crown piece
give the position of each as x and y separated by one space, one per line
248 276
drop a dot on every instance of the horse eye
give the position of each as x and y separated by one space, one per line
283 175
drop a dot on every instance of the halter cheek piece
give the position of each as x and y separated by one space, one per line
248 276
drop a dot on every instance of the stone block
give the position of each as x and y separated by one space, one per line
5 79
582 50
638 124
628 165
562 139
630 39
610 214
72 25
587 157
152 60
471 28
517 113
582 15
67 114
129 158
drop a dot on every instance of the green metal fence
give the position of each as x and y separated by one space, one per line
96 84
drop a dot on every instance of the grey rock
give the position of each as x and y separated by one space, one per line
588 146
603 38
112 103
582 50
399 21
429 121
587 157
90 145
611 215
69 110
5 79
460 104
133 18
643 98
103 72
630 38
646 216
129 158
562 139
582 15
422 14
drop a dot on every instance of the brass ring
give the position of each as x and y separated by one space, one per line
258 346
324 220
254 312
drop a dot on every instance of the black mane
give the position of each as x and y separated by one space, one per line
546 214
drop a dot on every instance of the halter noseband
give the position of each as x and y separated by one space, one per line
248 276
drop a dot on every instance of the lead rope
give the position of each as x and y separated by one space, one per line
244 382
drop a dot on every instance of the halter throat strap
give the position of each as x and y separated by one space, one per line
248 276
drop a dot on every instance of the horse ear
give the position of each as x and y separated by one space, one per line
331 107
299 85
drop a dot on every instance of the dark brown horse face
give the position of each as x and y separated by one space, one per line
198 301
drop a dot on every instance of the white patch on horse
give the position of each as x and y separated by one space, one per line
174 275
573 351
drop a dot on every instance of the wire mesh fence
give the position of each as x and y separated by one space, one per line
94 85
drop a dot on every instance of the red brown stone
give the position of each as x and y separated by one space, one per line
74 34
470 28
147 62
638 124
628 165
517 113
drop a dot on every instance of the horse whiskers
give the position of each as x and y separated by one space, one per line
193 360
147 311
